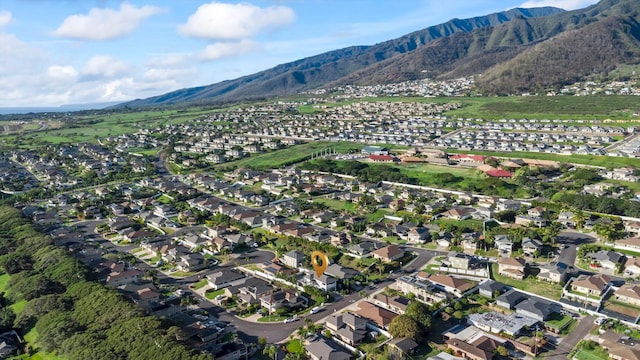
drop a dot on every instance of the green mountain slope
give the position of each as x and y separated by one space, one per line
317 71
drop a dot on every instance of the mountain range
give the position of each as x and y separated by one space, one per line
510 52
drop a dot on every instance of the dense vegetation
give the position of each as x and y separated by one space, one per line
601 204
71 315
381 172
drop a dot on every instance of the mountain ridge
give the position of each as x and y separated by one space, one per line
500 47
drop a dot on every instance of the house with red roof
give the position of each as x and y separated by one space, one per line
382 158
500 174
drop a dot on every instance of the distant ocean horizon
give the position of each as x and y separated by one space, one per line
62 108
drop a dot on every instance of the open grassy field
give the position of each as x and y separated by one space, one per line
292 154
602 161
530 107
337 205
549 290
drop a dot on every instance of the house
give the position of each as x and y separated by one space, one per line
404 346
340 272
510 299
445 356
531 247
459 261
225 278
419 235
594 285
397 304
503 243
380 317
491 288
293 259
606 259
565 218
628 293
423 290
278 299
506 204
537 308
388 253
554 272
497 323
632 243
321 348
362 249
537 211
324 282
347 327
619 346
458 213
117 279
632 267
512 267
192 262
450 284
473 343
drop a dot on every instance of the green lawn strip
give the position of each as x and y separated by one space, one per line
17 307
212 294
559 321
596 354
337 205
272 318
200 284
295 346
603 161
544 289
4 279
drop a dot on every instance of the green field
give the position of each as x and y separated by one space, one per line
517 107
545 289
337 205
292 154
602 161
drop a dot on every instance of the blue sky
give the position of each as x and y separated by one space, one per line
57 52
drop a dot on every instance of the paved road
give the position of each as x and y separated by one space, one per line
572 240
578 333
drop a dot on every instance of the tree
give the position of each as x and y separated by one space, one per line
404 326
270 350
502 351
419 312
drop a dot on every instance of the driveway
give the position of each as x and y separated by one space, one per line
578 333
572 240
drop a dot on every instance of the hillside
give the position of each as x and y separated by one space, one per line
319 70
520 50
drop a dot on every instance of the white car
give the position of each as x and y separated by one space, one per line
220 297
289 320
315 310
599 321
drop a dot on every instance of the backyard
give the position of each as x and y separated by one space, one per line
529 284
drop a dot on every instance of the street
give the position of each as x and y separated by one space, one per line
569 342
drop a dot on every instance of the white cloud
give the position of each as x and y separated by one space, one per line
221 50
62 73
563 4
105 24
100 66
218 21
5 18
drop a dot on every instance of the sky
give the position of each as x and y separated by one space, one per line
60 52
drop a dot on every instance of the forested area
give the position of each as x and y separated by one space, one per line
601 204
72 316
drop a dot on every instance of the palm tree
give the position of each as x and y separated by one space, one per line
270 350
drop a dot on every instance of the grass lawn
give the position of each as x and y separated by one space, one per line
4 279
200 284
337 205
40 355
212 294
604 161
17 307
559 321
291 155
596 354
182 273
295 347
150 152
549 290
377 215
272 318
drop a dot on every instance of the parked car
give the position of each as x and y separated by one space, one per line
599 321
289 320
315 310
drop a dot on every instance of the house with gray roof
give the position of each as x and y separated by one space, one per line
510 299
537 308
489 288
321 348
